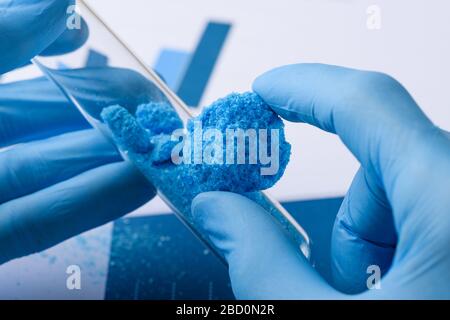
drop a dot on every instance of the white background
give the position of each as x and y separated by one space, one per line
412 45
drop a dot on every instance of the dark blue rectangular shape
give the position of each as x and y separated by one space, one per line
171 65
157 258
202 63
96 59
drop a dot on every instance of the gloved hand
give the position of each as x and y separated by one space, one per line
396 214
58 178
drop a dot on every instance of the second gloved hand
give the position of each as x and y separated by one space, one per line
395 216
58 178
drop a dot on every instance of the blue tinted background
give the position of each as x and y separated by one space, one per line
156 257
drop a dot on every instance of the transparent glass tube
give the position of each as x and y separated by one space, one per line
127 81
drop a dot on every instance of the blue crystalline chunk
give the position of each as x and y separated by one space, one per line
126 131
239 111
158 118
236 111
163 147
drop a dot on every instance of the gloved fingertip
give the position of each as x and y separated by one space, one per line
269 80
222 217
275 88
260 84
31 26
262 261
70 40
207 208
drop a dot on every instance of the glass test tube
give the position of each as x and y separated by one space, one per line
127 81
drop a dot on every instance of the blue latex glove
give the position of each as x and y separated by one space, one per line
58 178
396 214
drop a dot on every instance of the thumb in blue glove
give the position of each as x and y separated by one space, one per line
395 215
